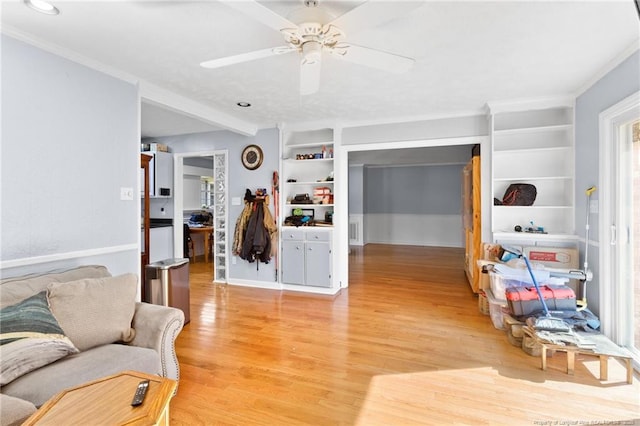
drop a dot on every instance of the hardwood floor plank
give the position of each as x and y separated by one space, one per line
404 344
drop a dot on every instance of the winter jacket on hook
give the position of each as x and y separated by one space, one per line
255 230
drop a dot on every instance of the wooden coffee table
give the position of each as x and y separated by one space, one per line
107 401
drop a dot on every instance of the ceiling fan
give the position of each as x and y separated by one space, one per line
311 38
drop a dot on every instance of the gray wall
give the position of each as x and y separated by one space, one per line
609 90
70 141
356 189
413 205
239 180
421 190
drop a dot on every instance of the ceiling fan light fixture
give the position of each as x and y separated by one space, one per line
311 52
42 7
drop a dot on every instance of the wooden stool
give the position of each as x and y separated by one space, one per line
604 349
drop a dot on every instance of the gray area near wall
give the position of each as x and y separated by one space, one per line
69 143
619 83
421 190
356 189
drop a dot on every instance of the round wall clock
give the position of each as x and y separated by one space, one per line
252 157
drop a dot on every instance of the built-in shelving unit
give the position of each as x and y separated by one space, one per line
303 175
533 143
307 251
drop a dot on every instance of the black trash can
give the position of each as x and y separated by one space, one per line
167 283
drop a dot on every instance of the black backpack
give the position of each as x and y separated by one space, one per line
518 194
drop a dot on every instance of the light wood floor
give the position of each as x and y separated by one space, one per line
405 344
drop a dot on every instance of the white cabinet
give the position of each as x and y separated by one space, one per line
533 144
306 257
160 175
161 243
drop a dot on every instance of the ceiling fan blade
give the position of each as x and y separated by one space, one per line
373 13
309 77
246 57
372 58
260 13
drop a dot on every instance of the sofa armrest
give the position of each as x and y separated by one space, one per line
15 410
157 327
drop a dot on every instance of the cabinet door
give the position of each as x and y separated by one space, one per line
293 262
164 174
318 264
161 243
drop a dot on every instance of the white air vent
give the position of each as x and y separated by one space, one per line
355 230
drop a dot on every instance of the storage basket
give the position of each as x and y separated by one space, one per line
483 303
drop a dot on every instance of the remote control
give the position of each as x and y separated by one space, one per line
141 391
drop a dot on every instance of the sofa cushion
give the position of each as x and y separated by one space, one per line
42 384
30 338
15 410
95 311
15 289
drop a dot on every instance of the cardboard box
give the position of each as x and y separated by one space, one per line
553 257
154 147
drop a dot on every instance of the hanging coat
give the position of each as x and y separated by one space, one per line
241 227
257 239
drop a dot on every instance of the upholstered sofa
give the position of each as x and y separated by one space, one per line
65 328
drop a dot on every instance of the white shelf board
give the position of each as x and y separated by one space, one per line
537 129
310 183
512 235
308 205
531 207
313 160
531 150
522 178
309 145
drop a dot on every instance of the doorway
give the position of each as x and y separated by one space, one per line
620 223
212 197
347 233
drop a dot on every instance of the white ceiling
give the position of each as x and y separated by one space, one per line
156 121
467 53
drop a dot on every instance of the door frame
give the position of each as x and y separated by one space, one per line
178 189
612 299
341 211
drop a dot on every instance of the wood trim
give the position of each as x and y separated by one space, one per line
144 255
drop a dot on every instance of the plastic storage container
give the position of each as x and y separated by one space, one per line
500 282
497 310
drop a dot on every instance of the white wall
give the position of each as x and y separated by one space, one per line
70 141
